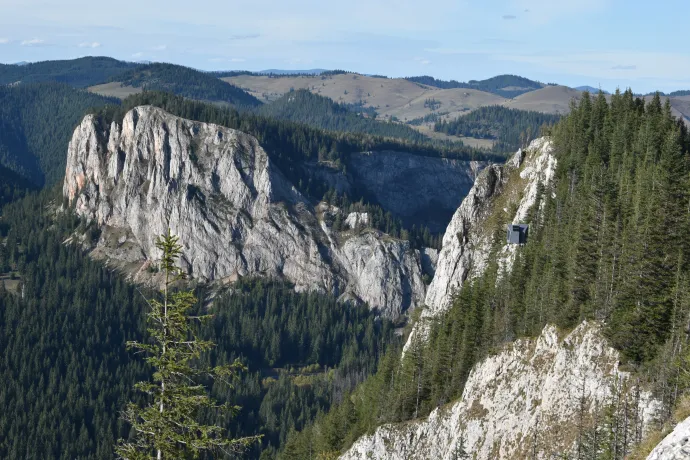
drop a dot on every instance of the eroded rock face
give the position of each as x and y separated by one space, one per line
235 213
675 446
522 401
467 241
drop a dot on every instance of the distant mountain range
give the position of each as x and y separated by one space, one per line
591 89
293 72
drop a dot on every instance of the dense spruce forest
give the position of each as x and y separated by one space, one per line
79 73
12 187
67 374
302 106
510 128
36 124
610 243
508 86
187 82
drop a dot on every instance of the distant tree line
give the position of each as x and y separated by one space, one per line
508 86
511 128
79 73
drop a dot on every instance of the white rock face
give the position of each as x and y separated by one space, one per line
466 243
235 213
357 219
525 399
675 446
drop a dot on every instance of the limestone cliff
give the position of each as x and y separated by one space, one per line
523 402
235 212
675 446
510 189
467 240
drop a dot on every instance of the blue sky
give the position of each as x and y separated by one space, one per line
607 43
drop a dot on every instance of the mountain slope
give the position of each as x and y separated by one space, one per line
302 106
36 123
526 401
607 242
79 73
180 80
508 86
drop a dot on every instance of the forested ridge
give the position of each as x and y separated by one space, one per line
36 124
67 374
79 73
187 82
510 128
503 85
610 244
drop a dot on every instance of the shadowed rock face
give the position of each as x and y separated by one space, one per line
418 189
523 402
235 213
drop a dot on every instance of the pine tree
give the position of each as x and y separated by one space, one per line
168 427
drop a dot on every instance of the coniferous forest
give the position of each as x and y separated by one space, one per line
609 241
610 244
67 374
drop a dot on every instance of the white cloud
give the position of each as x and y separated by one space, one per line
33 42
422 61
137 55
160 48
89 45
4 41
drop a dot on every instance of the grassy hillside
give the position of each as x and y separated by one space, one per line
550 99
36 123
183 81
79 73
302 106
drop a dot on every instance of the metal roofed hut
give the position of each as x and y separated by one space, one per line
517 233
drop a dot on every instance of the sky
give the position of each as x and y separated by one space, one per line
601 43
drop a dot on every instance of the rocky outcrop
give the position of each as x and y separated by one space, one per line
467 241
675 446
501 193
235 212
523 402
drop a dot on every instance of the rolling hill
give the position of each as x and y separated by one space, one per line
179 80
80 73
502 85
550 99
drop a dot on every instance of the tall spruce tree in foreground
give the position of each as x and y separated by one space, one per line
168 428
